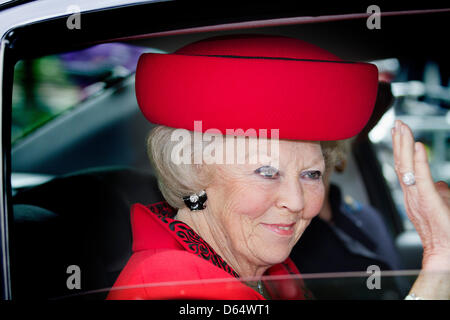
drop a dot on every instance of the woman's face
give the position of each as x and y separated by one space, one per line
264 210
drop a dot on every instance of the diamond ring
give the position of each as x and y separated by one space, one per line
409 179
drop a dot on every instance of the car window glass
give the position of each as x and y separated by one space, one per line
46 87
422 100
372 284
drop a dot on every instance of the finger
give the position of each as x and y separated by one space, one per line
403 143
424 180
406 150
442 186
443 190
396 145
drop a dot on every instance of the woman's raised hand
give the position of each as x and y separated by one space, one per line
427 205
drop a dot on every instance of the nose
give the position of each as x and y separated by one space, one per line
290 196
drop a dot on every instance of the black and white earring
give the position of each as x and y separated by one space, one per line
196 201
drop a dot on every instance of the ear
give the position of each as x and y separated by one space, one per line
340 165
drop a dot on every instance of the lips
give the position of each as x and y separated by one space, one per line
280 229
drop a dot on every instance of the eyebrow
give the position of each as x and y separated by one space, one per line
316 160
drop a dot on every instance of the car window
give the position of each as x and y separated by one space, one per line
372 284
83 216
422 99
46 87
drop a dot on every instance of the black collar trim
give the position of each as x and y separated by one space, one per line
187 237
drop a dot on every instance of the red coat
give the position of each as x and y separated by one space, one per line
169 260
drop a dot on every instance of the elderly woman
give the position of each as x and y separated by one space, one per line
233 213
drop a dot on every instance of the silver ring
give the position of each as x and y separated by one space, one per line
409 179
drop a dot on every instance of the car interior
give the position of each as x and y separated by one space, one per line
74 179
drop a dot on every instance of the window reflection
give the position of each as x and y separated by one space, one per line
422 100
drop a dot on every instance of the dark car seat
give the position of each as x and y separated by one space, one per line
79 219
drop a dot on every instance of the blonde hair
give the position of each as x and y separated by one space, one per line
174 180
178 180
336 154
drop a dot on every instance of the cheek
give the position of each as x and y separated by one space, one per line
247 204
314 196
244 198
243 207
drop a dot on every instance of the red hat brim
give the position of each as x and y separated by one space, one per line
306 99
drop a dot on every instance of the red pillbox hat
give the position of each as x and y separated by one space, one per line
257 82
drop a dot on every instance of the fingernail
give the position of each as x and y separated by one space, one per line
397 124
416 146
392 131
402 129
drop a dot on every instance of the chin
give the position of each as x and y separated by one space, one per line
276 255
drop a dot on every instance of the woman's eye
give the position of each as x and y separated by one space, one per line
312 175
267 172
